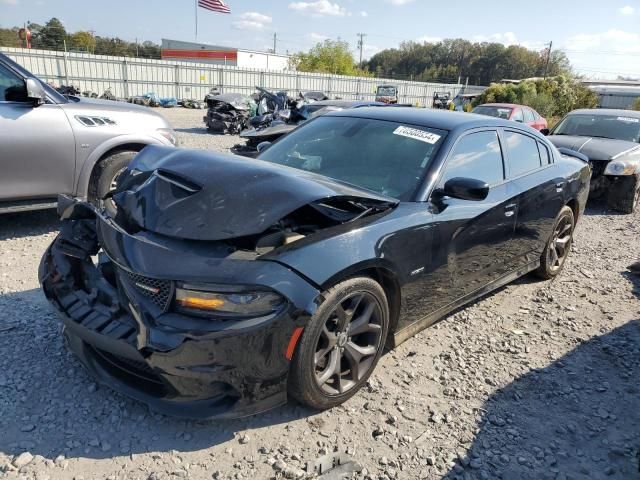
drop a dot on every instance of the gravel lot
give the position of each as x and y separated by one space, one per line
537 381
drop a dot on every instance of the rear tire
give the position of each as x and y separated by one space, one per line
559 245
106 176
341 345
624 194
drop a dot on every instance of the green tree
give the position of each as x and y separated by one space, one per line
330 56
51 36
553 97
9 37
83 41
483 63
636 104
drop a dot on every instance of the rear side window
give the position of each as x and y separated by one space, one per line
12 87
523 153
517 115
477 155
545 157
528 115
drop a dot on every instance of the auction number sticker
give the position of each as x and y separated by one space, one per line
416 134
629 119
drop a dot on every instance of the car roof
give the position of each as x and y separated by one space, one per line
424 117
607 111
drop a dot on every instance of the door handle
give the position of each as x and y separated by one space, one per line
509 210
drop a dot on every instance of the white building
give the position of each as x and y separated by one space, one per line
218 55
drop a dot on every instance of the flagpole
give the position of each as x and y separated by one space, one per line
196 4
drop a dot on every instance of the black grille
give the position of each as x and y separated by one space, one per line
158 291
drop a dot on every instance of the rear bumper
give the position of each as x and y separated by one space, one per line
177 364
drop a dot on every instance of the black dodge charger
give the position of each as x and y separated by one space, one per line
223 285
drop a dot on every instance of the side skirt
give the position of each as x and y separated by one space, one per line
409 331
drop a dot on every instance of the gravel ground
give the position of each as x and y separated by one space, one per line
536 381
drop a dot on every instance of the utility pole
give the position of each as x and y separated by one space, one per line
546 67
275 41
361 45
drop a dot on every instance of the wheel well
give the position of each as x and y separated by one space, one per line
128 147
573 205
391 288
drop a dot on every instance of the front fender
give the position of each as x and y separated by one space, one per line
86 165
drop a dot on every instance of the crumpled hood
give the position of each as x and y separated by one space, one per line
198 195
595 148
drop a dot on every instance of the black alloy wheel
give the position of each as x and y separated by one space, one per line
559 245
341 345
348 343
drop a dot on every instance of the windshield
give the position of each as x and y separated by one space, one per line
498 112
617 127
388 158
387 91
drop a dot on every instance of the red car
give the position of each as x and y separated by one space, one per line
512 111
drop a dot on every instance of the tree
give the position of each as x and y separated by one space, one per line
51 36
83 41
636 104
553 97
330 56
9 37
483 63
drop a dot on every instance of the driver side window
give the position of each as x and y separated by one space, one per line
12 87
478 156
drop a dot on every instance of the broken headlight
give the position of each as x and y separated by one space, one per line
204 301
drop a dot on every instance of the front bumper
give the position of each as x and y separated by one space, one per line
132 342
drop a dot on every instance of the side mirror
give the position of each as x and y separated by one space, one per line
465 189
262 146
35 91
544 131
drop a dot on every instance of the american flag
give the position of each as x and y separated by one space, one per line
214 5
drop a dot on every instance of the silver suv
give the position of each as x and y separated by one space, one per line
51 144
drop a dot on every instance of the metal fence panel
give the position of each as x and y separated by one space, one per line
136 76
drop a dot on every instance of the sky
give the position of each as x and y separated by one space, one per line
601 38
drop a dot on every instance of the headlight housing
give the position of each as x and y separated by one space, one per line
169 134
226 302
622 167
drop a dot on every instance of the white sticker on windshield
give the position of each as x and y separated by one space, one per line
629 119
416 134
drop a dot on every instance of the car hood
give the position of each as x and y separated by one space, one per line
278 129
197 195
595 148
92 105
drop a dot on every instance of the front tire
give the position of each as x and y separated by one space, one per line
559 245
106 177
624 194
341 345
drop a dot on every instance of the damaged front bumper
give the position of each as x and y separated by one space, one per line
118 319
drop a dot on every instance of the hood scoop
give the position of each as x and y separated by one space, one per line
197 195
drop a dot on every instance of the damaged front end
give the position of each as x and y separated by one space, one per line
228 113
162 301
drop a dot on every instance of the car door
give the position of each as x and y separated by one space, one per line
529 119
472 240
532 170
37 156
